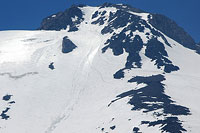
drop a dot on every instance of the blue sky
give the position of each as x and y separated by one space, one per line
28 14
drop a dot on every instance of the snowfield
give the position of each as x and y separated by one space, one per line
74 97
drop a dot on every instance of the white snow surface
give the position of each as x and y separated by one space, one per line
74 97
53 16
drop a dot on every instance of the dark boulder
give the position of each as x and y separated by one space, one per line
51 66
7 97
67 45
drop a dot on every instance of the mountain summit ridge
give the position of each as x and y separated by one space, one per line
159 21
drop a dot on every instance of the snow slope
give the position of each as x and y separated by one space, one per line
75 96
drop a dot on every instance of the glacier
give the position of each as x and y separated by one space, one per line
120 74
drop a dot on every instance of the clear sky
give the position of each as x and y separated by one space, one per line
28 14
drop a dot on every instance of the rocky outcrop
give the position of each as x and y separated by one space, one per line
172 30
69 18
67 45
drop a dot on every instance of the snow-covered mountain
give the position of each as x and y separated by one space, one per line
106 69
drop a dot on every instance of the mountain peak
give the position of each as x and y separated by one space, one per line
64 20
93 68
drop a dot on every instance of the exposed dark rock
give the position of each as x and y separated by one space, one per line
67 45
155 50
119 74
51 66
113 127
7 97
95 15
125 41
4 115
169 124
100 20
160 22
135 130
172 30
63 19
151 98
198 48
12 102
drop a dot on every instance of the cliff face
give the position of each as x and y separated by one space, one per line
172 30
70 18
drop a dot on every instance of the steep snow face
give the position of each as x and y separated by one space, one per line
114 68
